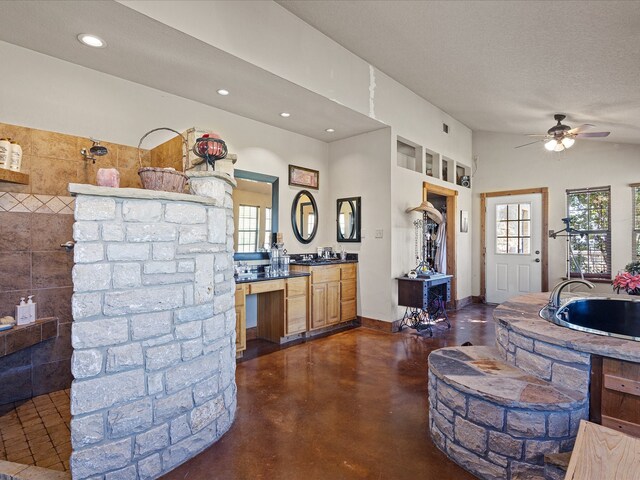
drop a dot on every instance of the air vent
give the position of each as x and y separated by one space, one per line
445 128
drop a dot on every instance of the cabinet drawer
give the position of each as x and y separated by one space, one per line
325 274
296 315
348 271
296 286
267 286
348 311
348 290
239 295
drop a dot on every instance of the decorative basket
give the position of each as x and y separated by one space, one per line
164 179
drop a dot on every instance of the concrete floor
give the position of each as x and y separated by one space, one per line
349 406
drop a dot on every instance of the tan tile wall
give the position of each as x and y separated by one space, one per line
168 154
53 160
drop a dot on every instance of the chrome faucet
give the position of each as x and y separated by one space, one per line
554 298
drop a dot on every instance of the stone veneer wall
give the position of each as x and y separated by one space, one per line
153 331
562 366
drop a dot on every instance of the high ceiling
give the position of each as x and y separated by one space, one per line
151 53
504 66
501 66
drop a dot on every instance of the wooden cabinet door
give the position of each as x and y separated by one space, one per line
319 305
333 302
241 329
348 311
296 315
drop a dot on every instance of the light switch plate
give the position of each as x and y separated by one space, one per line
379 233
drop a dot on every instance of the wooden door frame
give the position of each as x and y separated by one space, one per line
452 209
544 239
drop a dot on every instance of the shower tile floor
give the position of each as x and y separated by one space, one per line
36 431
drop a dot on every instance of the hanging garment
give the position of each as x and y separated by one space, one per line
441 248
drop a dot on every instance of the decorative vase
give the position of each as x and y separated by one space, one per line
108 177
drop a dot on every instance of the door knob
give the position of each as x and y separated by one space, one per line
537 252
537 260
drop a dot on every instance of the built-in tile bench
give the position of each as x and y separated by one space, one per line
496 420
24 336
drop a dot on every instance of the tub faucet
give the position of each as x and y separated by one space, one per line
554 298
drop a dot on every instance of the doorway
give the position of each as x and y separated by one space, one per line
449 198
513 243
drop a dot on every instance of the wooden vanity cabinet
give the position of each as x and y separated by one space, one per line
241 320
332 293
348 291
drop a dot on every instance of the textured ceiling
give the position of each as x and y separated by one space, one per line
151 53
500 65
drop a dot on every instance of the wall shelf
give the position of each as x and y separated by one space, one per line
13 176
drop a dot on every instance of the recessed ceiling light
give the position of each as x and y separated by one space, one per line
329 130
91 40
285 114
223 92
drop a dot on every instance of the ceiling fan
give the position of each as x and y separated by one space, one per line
560 137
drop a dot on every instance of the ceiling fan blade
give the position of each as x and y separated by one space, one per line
593 134
530 143
537 135
580 128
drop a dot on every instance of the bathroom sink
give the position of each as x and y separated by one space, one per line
323 261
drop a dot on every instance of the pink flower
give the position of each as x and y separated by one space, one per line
627 282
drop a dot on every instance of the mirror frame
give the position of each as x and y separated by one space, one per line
275 202
296 232
357 215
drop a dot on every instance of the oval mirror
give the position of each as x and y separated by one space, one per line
348 219
304 216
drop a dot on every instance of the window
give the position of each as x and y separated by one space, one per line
311 221
590 250
636 222
267 228
247 228
513 228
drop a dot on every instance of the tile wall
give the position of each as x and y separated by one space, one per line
34 220
32 263
53 160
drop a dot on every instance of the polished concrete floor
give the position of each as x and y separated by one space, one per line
349 406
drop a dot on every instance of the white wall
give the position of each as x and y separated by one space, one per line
359 166
589 163
49 94
406 191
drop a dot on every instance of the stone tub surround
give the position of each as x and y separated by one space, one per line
556 358
494 419
521 316
153 331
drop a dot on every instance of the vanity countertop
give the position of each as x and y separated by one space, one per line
322 262
261 277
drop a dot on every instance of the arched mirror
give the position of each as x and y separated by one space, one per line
348 219
304 216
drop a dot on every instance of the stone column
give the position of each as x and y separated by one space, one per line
153 329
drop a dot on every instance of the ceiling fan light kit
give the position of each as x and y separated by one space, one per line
560 137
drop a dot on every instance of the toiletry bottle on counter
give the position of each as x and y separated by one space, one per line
5 153
22 312
32 309
16 156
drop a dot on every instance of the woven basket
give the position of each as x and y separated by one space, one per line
164 179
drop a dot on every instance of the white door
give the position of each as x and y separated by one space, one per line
513 243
